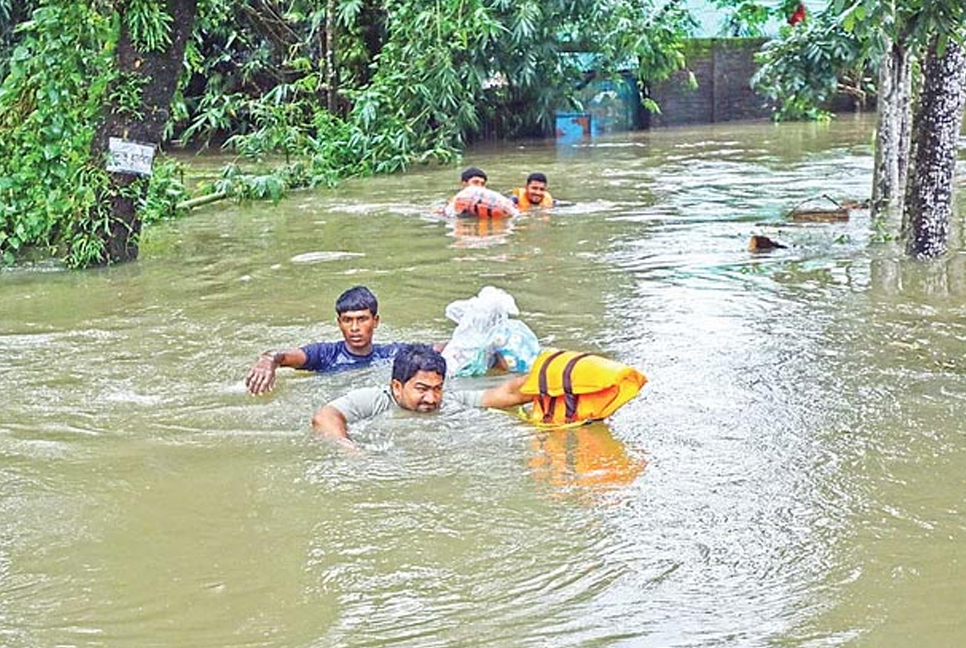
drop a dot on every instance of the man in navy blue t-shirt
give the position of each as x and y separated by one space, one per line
357 313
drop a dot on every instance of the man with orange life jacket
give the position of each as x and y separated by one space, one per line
534 194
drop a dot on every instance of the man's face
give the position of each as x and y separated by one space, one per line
475 181
421 393
357 328
536 191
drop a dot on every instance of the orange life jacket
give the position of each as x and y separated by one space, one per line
569 387
520 198
481 202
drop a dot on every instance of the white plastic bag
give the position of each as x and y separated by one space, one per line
483 330
516 344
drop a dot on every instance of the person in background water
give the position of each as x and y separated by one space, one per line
418 372
473 176
534 194
357 314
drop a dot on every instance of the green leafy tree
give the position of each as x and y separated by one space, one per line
12 13
147 67
345 87
49 103
919 119
747 18
918 116
811 63
416 81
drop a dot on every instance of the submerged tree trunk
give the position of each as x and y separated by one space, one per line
936 131
156 73
893 135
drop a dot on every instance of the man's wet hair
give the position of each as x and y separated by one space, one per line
537 177
413 358
472 172
357 298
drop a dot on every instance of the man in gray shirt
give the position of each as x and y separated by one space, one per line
418 372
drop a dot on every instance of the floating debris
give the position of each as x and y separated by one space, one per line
317 257
828 215
760 243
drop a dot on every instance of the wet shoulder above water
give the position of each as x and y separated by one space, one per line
791 474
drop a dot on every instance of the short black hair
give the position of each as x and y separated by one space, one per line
472 172
537 177
357 298
413 358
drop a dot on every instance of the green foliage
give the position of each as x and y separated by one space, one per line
911 22
653 34
125 94
415 81
89 220
12 13
809 64
61 74
747 18
449 69
243 186
84 232
49 102
148 25
165 191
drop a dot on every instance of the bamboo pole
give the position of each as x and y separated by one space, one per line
202 200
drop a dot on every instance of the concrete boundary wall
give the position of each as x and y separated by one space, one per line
722 69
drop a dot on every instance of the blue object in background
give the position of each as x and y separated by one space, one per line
572 127
614 104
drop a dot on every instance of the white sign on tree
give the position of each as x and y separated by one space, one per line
129 157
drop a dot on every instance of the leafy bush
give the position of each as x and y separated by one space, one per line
49 102
811 62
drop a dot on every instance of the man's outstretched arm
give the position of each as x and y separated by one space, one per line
506 394
261 377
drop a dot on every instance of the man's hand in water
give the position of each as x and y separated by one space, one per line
261 377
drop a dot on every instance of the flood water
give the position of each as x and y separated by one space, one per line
793 474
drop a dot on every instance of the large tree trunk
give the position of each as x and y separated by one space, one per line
158 73
938 122
893 134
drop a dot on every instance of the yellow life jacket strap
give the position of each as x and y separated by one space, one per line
548 403
568 384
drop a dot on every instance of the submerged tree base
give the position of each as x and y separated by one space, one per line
928 204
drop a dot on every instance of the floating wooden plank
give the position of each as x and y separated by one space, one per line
819 215
837 213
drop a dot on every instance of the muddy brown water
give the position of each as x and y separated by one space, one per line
792 474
